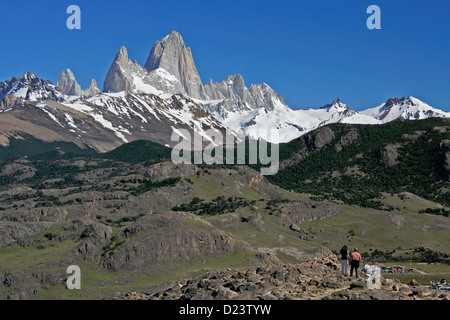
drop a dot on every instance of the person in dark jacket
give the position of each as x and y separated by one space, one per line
344 260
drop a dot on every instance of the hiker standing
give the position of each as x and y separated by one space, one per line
344 259
355 259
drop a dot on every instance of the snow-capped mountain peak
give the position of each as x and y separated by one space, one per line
336 106
409 108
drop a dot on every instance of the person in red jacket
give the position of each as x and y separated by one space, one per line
355 259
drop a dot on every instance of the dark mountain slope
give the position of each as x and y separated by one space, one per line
356 163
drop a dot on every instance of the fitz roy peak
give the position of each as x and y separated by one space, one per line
170 68
165 96
171 55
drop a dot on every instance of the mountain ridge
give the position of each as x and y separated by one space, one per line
168 78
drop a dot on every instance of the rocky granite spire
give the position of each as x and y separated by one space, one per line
117 78
92 90
172 55
67 84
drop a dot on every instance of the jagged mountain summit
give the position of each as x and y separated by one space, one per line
170 68
248 111
30 87
167 95
251 112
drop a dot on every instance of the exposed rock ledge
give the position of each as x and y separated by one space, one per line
313 280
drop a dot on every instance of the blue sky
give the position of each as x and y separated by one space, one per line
311 52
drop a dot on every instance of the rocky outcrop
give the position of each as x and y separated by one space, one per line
389 155
296 212
391 289
152 222
165 170
295 158
163 238
19 170
315 141
398 222
174 244
263 282
346 140
317 279
444 147
93 238
349 138
9 102
320 138
19 287
20 233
